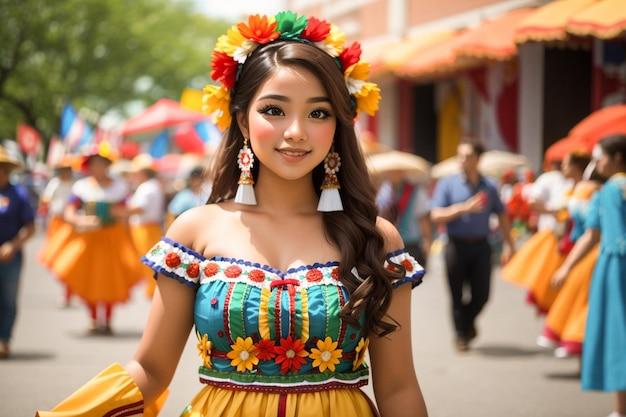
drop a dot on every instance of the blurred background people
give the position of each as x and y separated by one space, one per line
405 204
464 203
195 194
603 365
99 261
17 225
52 206
146 211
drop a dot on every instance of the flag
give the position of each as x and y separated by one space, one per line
75 132
158 148
28 139
56 151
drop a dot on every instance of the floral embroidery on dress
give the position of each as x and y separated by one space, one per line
204 348
290 355
326 356
360 353
244 354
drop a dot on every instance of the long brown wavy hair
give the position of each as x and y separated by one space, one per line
353 231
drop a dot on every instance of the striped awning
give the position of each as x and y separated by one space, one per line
493 39
437 60
386 57
605 19
548 23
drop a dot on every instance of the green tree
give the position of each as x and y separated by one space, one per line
99 55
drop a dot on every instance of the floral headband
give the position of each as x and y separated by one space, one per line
232 50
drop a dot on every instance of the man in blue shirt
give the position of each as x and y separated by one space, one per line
464 203
16 227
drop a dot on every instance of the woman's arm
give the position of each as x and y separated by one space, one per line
168 326
396 388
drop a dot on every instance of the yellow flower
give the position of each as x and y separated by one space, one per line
217 100
326 356
360 353
204 348
230 42
243 354
367 99
333 44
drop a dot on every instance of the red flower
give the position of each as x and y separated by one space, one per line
232 271
257 275
407 265
316 30
335 274
193 270
266 349
314 275
350 55
172 260
211 269
290 355
224 69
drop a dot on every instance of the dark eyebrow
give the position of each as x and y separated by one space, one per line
278 97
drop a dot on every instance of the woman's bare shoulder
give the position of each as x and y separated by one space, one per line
391 236
190 227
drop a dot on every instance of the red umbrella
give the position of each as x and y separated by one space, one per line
606 121
562 147
161 115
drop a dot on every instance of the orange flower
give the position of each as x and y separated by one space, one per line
260 29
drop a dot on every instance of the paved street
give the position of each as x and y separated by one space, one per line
505 375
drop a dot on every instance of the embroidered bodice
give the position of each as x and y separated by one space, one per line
262 327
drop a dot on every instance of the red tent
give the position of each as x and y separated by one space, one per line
161 115
603 122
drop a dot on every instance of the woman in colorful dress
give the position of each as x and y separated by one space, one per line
287 273
53 201
603 361
146 211
565 322
535 262
97 261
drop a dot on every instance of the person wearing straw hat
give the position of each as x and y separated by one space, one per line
98 261
17 218
145 210
52 205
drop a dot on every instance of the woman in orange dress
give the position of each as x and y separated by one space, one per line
565 322
98 261
537 260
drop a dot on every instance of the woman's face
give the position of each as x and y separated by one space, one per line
605 165
290 123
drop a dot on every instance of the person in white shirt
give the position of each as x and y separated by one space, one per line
146 211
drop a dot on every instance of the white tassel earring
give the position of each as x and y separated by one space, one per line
330 200
245 191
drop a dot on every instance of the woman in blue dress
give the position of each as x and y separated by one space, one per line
603 358
287 274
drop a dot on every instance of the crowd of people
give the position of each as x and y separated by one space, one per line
294 264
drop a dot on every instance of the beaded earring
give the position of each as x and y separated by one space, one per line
245 191
330 200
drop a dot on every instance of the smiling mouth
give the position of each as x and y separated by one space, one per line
293 153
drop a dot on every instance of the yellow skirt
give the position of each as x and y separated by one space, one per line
567 318
213 401
99 266
532 267
145 236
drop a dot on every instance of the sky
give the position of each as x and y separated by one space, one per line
233 10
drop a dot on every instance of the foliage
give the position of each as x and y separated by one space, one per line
99 55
